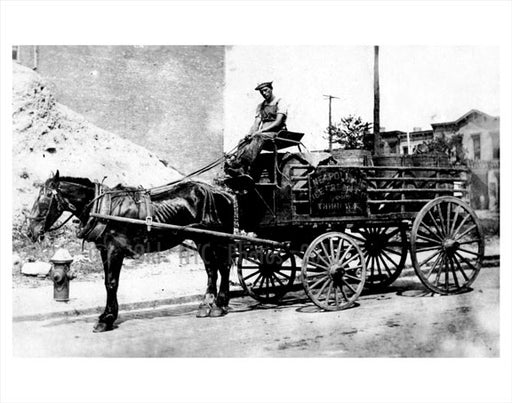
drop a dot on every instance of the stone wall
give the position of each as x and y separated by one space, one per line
168 99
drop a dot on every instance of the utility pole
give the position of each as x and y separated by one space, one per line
376 103
330 97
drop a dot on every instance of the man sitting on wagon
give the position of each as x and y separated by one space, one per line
270 118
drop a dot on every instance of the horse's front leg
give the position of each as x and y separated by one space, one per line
112 258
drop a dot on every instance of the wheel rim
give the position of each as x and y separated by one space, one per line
385 252
447 245
266 274
333 271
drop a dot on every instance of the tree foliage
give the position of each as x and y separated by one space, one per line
352 132
451 146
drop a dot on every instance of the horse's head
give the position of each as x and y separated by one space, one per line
47 208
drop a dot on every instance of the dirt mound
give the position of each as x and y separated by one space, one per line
48 136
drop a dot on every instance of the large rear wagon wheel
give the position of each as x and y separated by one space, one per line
266 274
385 252
333 271
447 245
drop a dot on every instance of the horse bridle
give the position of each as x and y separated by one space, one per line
61 205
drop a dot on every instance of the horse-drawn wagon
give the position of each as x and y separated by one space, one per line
343 227
350 227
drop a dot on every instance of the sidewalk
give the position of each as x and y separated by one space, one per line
142 287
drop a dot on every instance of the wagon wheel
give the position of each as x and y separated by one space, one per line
267 274
449 238
333 271
385 252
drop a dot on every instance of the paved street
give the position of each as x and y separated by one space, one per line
405 321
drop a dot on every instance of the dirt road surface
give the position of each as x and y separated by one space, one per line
404 321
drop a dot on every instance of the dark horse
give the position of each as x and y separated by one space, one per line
187 203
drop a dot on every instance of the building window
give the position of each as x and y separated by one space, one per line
15 53
476 146
405 150
495 145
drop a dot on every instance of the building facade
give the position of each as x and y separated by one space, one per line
481 144
168 99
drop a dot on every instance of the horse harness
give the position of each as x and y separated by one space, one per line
102 204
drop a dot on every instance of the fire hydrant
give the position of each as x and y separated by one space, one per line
61 274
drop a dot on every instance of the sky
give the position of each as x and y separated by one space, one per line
419 85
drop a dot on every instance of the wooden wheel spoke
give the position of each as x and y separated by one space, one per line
349 286
433 267
461 224
327 255
467 231
338 251
441 219
318 282
469 251
318 265
430 231
252 260
386 266
454 221
349 260
439 231
252 275
469 242
448 216
452 266
392 251
331 248
259 278
378 265
369 265
385 255
342 259
440 271
279 281
327 264
466 261
322 288
429 258
352 277
357 238
286 276
428 239
329 290
427 248
457 263
272 277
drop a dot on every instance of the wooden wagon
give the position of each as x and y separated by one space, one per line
350 227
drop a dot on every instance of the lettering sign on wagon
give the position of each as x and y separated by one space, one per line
337 191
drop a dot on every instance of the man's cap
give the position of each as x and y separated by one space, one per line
263 85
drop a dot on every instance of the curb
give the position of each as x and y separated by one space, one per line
408 271
130 306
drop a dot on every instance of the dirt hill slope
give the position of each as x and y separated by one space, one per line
48 136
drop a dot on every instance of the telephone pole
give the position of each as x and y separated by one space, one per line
376 103
330 97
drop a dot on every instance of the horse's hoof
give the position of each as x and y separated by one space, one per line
218 311
102 327
203 312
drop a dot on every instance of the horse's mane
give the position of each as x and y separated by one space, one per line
80 181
